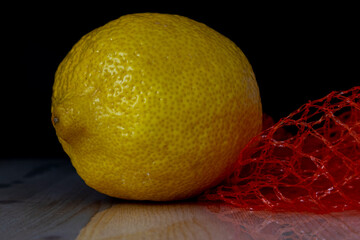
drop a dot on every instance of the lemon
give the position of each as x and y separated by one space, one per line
154 107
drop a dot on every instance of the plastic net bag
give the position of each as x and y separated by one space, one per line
308 161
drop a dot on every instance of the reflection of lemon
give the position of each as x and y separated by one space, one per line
154 107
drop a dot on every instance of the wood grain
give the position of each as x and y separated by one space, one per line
44 200
47 200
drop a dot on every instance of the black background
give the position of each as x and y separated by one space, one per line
298 53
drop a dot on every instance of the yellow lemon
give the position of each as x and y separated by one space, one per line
154 107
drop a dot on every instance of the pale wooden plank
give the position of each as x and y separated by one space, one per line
269 225
48 200
191 220
44 200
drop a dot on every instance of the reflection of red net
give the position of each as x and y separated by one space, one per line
308 161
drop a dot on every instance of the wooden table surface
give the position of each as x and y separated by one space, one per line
47 200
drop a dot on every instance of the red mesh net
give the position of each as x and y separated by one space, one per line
308 161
